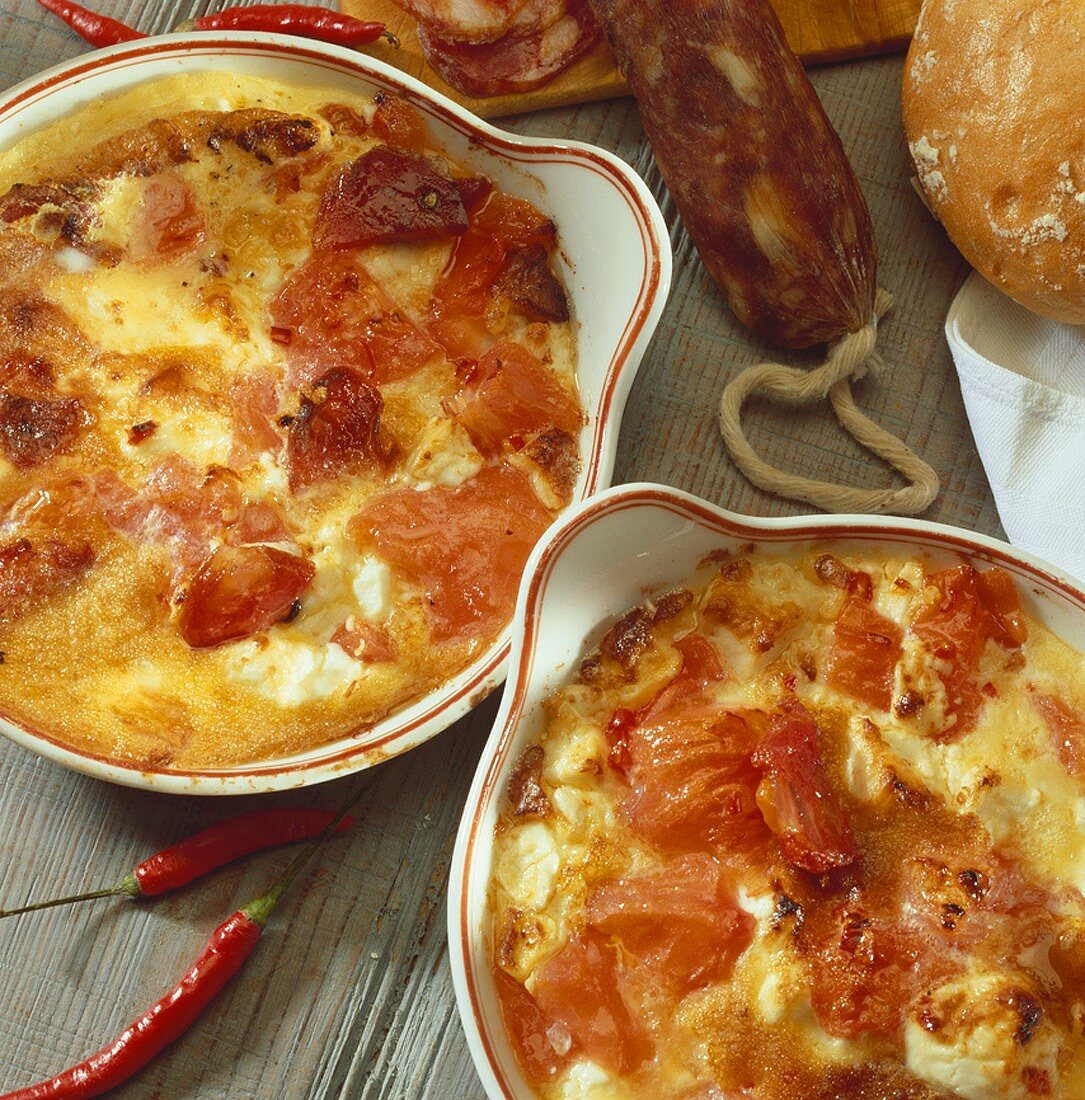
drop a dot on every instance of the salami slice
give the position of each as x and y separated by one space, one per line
517 62
476 21
757 171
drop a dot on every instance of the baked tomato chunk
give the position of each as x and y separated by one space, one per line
167 223
864 653
183 509
366 642
465 298
1067 729
512 393
580 989
692 780
998 595
388 196
336 429
683 921
464 547
254 401
865 973
796 797
701 667
532 1032
332 313
398 123
971 608
240 591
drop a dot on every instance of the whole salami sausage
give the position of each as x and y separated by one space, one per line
757 171
767 195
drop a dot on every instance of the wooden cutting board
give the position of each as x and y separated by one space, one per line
818 30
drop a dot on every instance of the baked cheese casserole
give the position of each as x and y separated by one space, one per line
810 827
286 397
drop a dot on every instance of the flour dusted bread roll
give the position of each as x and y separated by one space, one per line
993 110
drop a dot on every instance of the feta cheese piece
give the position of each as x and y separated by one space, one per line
528 863
371 583
976 1036
586 1080
290 671
444 455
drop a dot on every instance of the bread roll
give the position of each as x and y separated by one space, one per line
995 117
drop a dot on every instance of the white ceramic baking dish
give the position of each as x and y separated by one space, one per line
617 267
596 562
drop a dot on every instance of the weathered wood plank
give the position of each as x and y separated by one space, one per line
350 995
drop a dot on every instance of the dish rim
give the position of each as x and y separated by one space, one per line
467 894
438 709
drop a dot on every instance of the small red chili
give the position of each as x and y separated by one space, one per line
216 846
298 19
98 30
170 1017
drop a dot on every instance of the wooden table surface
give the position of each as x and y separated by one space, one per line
351 995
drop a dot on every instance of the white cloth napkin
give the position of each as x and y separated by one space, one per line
1023 382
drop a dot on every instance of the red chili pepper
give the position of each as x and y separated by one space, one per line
169 1018
98 30
216 846
299 19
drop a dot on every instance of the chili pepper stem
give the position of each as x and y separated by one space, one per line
259 909
127 887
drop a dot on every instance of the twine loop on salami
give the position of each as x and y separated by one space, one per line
850 357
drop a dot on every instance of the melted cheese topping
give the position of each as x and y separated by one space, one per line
158 347
969 864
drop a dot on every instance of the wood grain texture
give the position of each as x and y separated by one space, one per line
350 995
818 30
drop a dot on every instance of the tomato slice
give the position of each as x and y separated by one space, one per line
240 591
464 296
512 393
682 921
336 430
865 974
701 667
972 608
864 653
254 401
167 222
331 313
388 196
998 594
1067 730
183 510
399 123
795 795
579 987
178 507
366 642
530 1029
692 780
464 547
